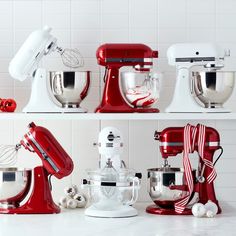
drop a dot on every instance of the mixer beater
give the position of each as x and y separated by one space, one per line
8 154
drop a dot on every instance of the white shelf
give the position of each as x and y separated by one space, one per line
118 116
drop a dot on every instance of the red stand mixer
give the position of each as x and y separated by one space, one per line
169 185
113 57
15 184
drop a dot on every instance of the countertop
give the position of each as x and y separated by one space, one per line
73 222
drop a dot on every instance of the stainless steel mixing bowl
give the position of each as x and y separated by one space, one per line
14 186
213 88
69 87
160 180
140 89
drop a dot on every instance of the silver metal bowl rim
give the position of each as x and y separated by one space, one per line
167 170
63 71
214 71
14 169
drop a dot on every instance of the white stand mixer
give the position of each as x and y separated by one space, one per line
26 62
106 193
209 58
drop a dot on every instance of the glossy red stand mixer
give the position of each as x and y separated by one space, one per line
169 186
115 56
16 184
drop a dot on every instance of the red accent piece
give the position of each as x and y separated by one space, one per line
7 105
55 159
85 91
40 200
113 57
153 209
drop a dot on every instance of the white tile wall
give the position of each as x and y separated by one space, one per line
88 23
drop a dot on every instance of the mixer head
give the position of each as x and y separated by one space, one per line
138 56
39 44
171 141
54 158
110 142
196 54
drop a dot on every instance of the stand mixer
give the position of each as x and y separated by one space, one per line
138 93
15 184
113 188
199 91
170 186
60 91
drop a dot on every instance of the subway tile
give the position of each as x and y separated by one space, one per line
21 21
225 21
201 6
201 35
136 21
172 35
85 7
85 21
52 8
172 6
138 7
115 21
171 19
143 35
85 36
201 21
114 7
226 6
115 36
57 21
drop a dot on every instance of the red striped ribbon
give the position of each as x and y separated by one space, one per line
189 142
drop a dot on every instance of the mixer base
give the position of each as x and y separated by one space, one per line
127 109
154 209
119 212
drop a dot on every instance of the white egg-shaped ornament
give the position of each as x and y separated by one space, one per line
72 204
210 214
81 200
71 190
211 206
63 201
199 210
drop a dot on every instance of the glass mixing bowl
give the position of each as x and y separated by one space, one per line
140 89
110 189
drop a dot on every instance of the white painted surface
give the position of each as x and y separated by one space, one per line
73 222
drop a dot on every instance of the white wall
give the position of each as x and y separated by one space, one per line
88 23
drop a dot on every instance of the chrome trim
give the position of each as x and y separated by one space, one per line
46 157
108 184
172 144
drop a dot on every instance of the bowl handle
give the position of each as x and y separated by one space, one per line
135 188
56 80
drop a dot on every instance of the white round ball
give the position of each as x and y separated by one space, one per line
72 203
63 201
210 214
70 191
211 206
81 200
198 210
